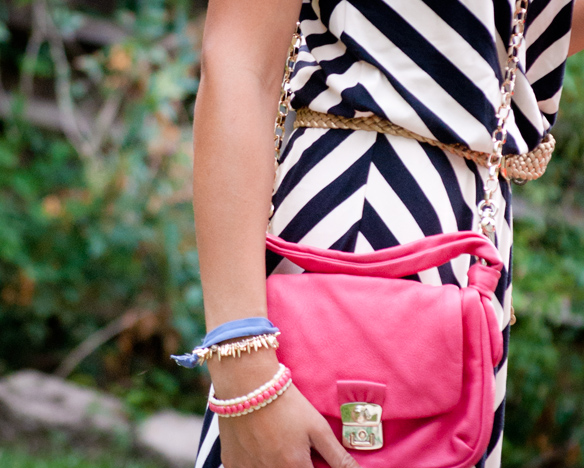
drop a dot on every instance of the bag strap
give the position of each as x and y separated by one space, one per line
487 208
392 262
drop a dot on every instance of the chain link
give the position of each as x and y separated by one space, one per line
487 208
284 103
286 93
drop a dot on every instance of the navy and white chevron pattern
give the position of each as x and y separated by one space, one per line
434 67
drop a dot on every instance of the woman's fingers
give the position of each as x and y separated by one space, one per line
271 437
276 436
325 443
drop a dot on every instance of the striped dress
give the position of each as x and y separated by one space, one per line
435 68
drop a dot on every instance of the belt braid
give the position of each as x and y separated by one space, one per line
517 167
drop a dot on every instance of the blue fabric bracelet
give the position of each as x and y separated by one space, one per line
238 328
252 326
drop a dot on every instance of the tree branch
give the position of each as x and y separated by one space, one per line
63 81
4 100
31 54
106 119
94 341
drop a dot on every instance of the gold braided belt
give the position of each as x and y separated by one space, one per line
516 167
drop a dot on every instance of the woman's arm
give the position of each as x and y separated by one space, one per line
577 35
244 49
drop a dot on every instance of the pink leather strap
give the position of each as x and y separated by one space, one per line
393 262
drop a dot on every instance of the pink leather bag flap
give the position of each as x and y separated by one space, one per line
352 331
426 379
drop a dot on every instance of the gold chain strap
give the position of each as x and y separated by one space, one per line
286 93
284 103
487 208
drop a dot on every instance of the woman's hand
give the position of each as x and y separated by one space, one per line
279 435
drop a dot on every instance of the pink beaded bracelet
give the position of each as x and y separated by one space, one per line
255 400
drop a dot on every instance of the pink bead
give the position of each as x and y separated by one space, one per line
283 381
246 405
278 386
254 401
228 410
220 409
260 398
272 391
234 409
266 395
240 408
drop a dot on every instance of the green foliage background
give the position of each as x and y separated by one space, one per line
100 233
545 408
94 234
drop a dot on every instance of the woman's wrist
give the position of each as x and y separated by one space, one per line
255 400
234 377
232 338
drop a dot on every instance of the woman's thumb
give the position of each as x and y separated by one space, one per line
325 443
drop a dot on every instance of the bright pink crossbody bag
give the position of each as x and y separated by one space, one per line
403 371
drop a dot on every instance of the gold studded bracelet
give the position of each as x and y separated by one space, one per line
237 348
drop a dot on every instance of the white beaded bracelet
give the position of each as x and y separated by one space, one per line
255 400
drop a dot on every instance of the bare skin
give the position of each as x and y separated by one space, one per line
245 45
577 35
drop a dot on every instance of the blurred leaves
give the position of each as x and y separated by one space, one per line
96 223
545 405
4 33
